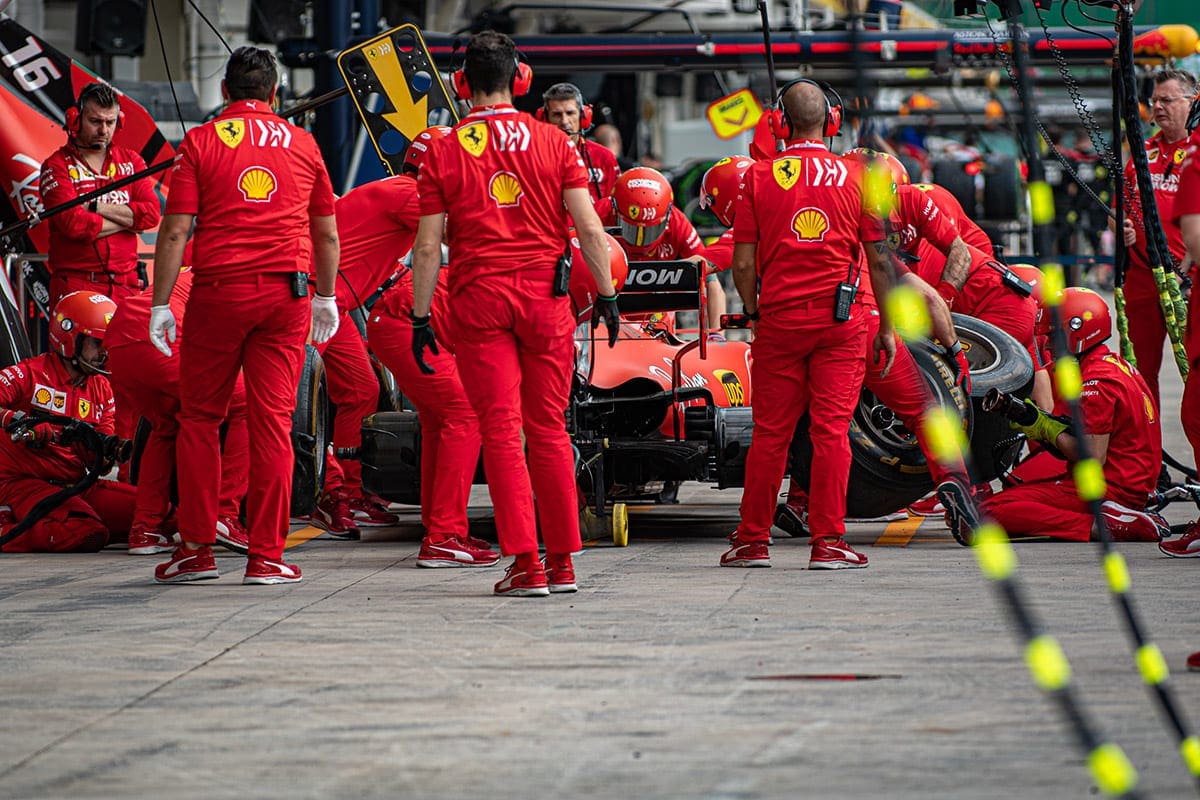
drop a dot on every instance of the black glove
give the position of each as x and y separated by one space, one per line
606 308
422 337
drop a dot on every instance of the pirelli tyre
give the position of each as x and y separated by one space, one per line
1001 188
888 469
310 434
952 176
997 361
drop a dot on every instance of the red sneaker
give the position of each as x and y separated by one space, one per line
1186 546
930 506
366 512
333 514
1130 525
746 554
187 565
527 581
232 535
454 551
266 571
829 552
792 516
1193 662
147 543
560 573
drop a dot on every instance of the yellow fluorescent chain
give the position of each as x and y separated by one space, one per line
1047 663
1190 749
908 313
994 552
1111 770
1089 480
1067 378
944 431
1151 664
1117 572
1041 203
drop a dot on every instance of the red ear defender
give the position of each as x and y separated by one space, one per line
522 79
462 89
833 113
71 123
540 114
585 117
781 126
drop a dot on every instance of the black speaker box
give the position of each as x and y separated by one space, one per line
111 27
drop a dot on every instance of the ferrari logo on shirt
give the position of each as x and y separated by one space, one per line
111 171
1149 404
505 189
85 408
257 184
786 172
810 225
231 132
1180 155
474 138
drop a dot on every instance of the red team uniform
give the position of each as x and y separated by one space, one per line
371 249
602 169
500 179
78 261
806 246
1115 401
85 522
1187 202
146 384
1147 328
252 180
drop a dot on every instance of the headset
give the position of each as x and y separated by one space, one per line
585 111
72 122
522 79
781 125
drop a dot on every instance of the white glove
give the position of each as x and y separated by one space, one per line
324 318
162 328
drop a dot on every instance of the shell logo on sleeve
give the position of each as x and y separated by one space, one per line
257 184
810 225
505 189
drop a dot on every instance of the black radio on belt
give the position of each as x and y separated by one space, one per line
562 273
844 298
1012 280
300 284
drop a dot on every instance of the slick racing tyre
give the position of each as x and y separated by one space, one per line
1001 188
310 434
997 361
888 469
952 176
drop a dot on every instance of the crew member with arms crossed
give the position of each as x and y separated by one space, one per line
93 247
800 225
501 189
261 200
562 105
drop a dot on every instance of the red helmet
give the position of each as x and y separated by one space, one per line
417 148
1033 276
79 314
583 286
1085 318
721 185
868 157
643 200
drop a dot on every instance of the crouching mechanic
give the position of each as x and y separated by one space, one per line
449 427
1122 433
69 382
146 384
377 223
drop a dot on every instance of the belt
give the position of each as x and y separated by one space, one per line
113 278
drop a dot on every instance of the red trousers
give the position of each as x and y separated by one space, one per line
117 287
1147 327
353 388
904 391
1050 508
515 353
813 365
84 523
146 384
252 324
1189 409
449 428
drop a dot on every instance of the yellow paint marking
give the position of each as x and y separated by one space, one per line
302 535
900 532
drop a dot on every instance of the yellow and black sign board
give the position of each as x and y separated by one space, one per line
397 91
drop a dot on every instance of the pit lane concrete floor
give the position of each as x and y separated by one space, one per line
664 677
